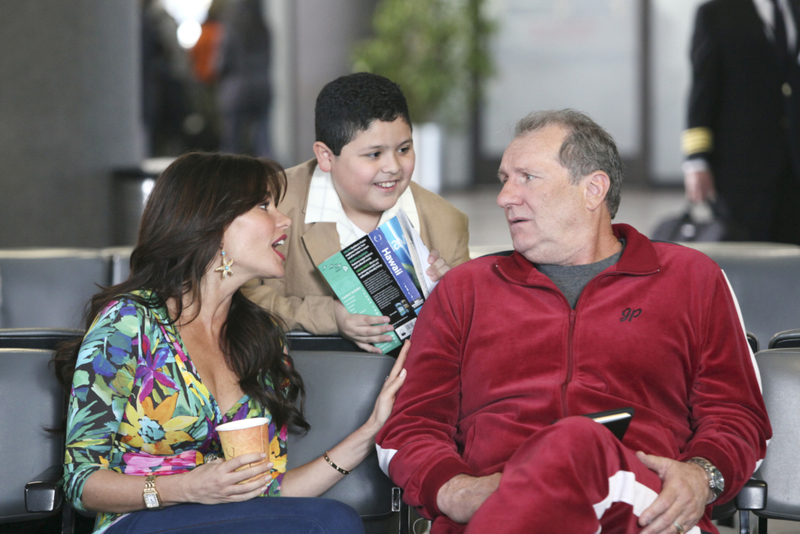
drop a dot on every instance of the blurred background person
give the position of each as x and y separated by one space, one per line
204 57
245 82
742 144
165 82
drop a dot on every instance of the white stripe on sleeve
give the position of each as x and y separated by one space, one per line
385 458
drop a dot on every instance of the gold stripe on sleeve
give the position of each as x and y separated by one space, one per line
696 140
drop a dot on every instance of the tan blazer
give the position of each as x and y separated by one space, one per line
302 298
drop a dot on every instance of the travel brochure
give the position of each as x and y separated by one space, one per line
383 274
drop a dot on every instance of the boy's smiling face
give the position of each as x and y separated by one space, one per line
372 170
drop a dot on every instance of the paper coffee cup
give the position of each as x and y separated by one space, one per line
244 437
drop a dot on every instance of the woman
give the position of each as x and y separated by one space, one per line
177 349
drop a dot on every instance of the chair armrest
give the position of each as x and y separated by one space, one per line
301 340
787 339
45 494
753 496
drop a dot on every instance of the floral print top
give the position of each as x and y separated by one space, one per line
137 405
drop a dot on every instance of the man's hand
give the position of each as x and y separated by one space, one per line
438 266
683 498
699 186
363 330
461 496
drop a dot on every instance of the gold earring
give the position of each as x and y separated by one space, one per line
225 268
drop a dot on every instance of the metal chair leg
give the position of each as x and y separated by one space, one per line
762 525
67 519
744 522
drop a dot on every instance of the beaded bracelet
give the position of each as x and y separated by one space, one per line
342 471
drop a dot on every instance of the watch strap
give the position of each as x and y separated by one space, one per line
716 482
152 500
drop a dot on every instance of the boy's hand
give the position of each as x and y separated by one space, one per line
438 266
361 329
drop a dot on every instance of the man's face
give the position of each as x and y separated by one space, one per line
374 169
546 214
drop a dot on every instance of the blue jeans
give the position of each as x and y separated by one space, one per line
267 515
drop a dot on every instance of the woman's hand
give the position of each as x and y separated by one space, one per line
385 401
218 481
211 483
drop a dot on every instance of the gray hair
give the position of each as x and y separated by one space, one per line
586 149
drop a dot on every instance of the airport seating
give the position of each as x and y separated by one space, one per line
32 402
43 494
341 390
752 341
765 278
36 338
780 377
49 287
786 339
303 341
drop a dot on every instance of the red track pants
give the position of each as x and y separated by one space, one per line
572 477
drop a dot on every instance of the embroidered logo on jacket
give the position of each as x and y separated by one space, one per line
629 314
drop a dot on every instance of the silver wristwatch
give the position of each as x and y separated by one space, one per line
715 479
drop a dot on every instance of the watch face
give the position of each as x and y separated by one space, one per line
719 482
150 500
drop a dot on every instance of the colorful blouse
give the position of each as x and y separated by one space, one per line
137 405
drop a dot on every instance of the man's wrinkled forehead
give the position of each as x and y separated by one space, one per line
541 144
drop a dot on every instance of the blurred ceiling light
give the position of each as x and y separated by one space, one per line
188 33
188 14
182 10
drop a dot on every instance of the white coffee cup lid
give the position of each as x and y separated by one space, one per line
242 423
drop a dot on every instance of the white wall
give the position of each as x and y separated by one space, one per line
580 54
671 29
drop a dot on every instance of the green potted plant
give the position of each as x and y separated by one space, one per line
437 50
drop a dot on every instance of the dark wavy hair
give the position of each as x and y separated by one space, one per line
349 105
194 200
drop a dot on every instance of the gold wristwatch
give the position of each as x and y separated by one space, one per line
151 499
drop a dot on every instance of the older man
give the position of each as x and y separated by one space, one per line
584 316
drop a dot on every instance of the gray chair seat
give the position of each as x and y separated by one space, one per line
764 277
341 390
32 402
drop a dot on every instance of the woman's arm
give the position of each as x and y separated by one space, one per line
212 483
316 477
116 348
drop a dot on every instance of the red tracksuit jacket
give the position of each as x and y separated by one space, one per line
497 354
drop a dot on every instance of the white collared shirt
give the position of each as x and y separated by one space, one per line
324 205
764 9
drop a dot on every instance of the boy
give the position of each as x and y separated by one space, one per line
360 178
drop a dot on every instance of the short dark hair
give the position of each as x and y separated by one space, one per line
587 148
349 104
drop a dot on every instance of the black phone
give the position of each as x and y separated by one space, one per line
616 421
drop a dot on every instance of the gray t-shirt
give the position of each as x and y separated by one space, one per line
571 279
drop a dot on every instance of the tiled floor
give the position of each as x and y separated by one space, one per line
641 208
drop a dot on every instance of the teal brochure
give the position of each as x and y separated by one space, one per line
375 276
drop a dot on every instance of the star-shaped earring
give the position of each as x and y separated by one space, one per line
225 268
